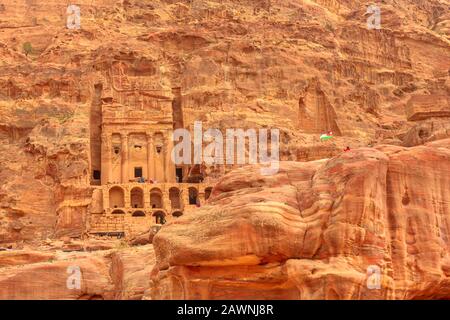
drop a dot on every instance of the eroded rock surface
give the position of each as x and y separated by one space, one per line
312 231
119 273
301 66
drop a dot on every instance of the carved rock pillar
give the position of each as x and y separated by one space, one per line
124 169
150 157
106 158
147 197
185 196
127 197
169 166
105 194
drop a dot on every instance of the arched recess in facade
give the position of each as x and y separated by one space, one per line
160 217
138 213
156 198
118 212
193 195
208 193
137 197
116 197
177 214
174 196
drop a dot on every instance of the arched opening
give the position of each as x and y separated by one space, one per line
208 193
116 197
137 198
160 217
193 195
156 198
177 214
174 195
118 212
138 213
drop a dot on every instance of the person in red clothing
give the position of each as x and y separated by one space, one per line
347 149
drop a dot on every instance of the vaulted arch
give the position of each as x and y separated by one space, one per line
160 217
174 196
138 213
137 197
177 214
156 199
116 197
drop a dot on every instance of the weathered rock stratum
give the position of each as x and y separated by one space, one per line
117 273
312 231
301 66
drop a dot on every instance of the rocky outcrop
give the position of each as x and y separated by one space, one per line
301 67
426 131
131 270
145 237
422 107
317 230
121 273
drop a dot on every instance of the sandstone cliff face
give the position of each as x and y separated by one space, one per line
312 231
301 66
44 173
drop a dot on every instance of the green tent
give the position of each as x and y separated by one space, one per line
325 137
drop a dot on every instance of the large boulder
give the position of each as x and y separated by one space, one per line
317 230
121 273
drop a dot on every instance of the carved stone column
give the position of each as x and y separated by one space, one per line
150 157
169 166
147 189
124 157
105 194
106 158
167 205
127 197
185 196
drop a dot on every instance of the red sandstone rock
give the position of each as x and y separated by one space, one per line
131 270
427 131
48 280
21 257
115 274
302 67
426 106
312 230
